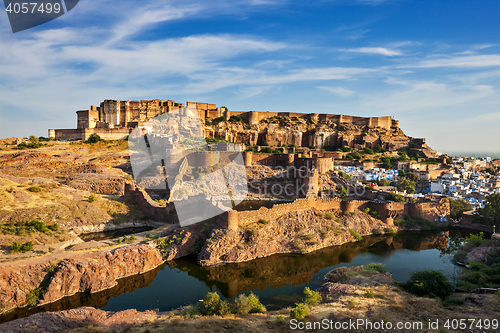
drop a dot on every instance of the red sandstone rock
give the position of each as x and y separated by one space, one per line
478 254
333 289
100 271
47 322
87 273
16 282
299 232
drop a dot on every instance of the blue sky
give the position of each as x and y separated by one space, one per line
434 65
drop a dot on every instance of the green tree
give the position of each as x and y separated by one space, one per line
491 171
386 162
412 176
394 197
404 184
384 182
33 139
490 214
458 207
428 283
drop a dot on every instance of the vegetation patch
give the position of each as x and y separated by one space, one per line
300 311
414 222
18 247
213 305
355 234
343 274
482 275
428 283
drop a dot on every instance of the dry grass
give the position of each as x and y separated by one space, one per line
389 304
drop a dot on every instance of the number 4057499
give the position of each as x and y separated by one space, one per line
33 8
471 324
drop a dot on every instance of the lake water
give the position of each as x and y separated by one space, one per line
278 280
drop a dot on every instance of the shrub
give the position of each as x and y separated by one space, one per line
248 304
39 225
235 119
218 120
355 234
368 150
280 320
416 222
211 303
428 283
377 231
16 247
370 294
54 227
395 197
33 297
329 216
391 230
476 240
192 311
93 138
376 266
51 269
300 311
311 297
257 306
480 275
35 189
351 305
132 238
27 247
243 305
224 308
92 197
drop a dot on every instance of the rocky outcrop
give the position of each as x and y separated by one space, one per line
86 273
100 271
478 254
296 232
16 283
48 322
332 289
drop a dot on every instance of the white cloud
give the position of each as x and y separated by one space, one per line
489 60
342 92
375 50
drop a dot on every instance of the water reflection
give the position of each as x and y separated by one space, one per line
182 281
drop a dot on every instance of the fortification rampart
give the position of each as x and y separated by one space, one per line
150 208
232 219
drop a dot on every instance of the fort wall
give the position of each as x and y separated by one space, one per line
150 208
232 219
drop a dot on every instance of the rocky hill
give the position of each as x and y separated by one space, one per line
283 131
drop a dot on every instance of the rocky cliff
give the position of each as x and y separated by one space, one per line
296 232
86 273
308 131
